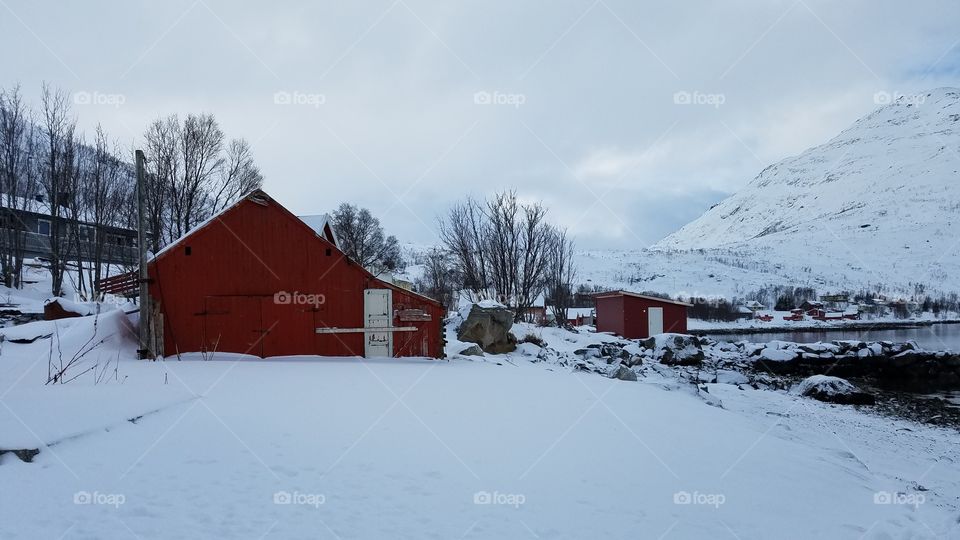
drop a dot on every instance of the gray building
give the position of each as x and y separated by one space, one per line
32 221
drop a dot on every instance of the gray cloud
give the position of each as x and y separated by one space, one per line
577 99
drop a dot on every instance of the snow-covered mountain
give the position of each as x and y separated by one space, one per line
879 204
875 208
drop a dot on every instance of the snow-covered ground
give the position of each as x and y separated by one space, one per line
36 288
492 447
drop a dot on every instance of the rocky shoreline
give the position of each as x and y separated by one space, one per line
898 377
846 325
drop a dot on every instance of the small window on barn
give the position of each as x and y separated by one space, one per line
43 227
329 252
187 250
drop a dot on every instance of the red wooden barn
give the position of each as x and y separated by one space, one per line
257 280
634 316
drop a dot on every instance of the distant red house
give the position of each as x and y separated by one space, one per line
255 279
634 316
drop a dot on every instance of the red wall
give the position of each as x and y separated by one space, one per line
626 316
221 296
610 314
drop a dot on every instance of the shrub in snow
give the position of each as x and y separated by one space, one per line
834 390
534 339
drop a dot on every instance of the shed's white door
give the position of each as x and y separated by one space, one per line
654 321
378 313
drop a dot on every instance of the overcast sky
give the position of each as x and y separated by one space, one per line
405 106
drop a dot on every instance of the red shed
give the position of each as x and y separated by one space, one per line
255 279
634 316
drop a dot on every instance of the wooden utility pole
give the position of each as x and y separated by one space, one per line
146 307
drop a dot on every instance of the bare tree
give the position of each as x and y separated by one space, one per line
163 148
238 176
361 238
463 233
200 141
535 238
105 192
437 280
58 133
501 247
560 274
191 175
75 162
16 181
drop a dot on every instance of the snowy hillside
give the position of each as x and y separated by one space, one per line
879 204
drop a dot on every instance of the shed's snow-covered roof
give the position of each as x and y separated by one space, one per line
644 296
322 224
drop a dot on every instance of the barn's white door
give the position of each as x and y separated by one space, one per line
654 321
378 313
